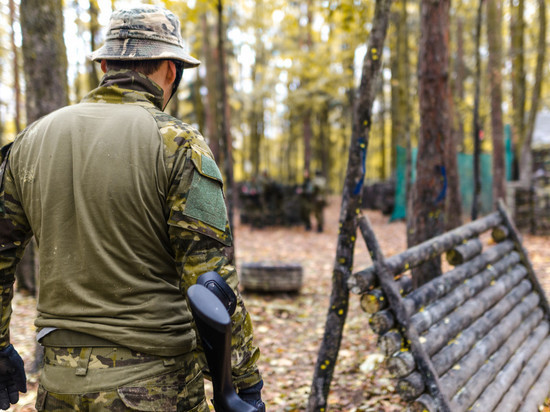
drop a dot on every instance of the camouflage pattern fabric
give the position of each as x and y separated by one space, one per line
193 258
117 379
199 238
143 33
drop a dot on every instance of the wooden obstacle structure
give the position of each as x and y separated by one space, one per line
475 338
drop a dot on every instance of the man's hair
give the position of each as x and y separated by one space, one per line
146 67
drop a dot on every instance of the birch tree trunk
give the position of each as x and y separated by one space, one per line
338 307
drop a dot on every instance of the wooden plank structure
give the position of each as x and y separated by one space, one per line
476 337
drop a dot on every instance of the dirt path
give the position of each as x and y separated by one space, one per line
289 328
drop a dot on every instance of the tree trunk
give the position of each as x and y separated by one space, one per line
338 307
429 189
212 130
324 142
93 75
453 201
381 122
16 85
45 63
494 38
517 50
476 123
400 107
224 111
44 56
526 161
458 86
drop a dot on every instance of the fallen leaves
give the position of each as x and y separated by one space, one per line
289 327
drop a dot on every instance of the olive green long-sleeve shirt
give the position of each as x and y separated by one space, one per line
127 208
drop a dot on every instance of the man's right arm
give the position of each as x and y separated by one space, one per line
15 233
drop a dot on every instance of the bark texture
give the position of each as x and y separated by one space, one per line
463 253
45 67
44 56
429 189
414 256
474 338
494 38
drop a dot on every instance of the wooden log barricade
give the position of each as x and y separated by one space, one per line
477 337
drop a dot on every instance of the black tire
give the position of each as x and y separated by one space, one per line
271 277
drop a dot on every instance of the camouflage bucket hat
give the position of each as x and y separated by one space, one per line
144 33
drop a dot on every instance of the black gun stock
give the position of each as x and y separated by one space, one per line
214 327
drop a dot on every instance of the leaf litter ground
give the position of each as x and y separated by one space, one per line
289 327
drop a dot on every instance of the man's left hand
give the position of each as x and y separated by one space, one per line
12 377
253 396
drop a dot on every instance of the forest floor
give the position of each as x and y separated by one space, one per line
289 327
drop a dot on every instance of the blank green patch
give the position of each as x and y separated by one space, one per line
205 202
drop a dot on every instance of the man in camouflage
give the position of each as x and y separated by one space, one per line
127 208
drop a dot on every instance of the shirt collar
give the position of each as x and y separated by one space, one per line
126 86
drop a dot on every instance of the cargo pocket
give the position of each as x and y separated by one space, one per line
159 393
192 399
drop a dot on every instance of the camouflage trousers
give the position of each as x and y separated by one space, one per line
118 379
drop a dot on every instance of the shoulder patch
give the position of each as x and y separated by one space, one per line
205 201
207 166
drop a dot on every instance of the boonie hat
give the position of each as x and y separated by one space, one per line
144 33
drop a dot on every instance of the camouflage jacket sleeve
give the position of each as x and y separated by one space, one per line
15 233
201 238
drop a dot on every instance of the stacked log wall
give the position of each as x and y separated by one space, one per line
476 337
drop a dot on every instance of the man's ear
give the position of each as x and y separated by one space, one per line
171 72
104 66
